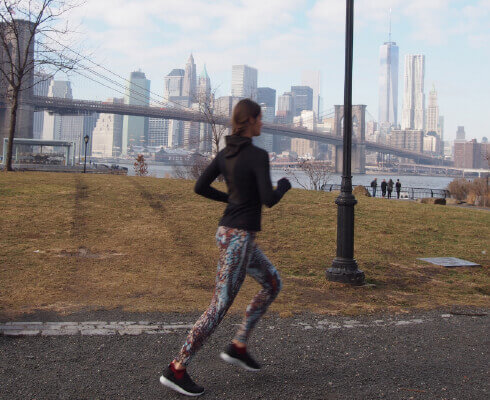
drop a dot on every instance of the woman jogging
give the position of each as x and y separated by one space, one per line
247 176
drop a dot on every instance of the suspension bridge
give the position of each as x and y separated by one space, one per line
83 107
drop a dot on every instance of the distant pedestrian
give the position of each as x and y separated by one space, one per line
374 185
390 187
247 175
383 187
398 187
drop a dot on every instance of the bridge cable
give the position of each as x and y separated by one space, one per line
119 76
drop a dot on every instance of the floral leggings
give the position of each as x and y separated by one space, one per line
238 256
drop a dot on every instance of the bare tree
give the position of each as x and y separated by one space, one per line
30 31
217 123
214 118
317 174
194 169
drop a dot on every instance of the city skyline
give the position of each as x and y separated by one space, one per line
282 39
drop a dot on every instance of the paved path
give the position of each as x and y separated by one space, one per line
115 355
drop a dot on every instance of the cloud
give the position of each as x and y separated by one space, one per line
276 36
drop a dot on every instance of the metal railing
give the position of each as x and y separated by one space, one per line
411 193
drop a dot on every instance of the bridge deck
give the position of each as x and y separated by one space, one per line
68 106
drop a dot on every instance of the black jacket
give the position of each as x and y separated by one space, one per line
245 168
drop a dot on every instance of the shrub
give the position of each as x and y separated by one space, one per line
361 191
473 192
140 166
459 188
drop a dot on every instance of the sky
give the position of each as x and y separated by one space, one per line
281 38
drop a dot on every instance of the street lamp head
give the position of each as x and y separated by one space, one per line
86 138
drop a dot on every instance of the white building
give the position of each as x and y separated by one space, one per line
432 124
431 144
41 88
189 84
173 84
158 132
244 82
108 128
440 127
303 147
413 114
191 132
52 122
388 83
313 80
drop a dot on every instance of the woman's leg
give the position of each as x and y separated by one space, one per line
262 270
235 250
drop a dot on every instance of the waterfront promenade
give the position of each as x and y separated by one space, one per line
423 355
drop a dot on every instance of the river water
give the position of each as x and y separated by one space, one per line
415 181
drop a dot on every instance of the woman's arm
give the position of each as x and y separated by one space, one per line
268 196
203 184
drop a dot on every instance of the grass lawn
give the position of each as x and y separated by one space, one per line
72 242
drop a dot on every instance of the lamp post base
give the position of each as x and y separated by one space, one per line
344 270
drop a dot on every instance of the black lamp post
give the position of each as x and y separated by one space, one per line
344 267
85 139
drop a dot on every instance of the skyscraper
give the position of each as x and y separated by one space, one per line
89 123
41 88
413 115
135 129
189 86
267 96
204 95
71 128
204 86
244 82
440 127
303 99
285 107
157 132
460 134
175 127
107 134
174 83
388 83
52 122
433 113
313 80
305 148
191 132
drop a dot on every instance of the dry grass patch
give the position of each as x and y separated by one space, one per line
144 244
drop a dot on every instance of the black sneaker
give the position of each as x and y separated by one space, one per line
245 361
184 385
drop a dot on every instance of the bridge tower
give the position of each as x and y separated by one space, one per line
25 113
358 133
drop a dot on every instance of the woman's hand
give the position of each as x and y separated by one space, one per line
283 185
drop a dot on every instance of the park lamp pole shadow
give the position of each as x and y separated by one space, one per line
85 138
344 267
